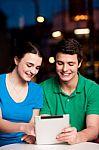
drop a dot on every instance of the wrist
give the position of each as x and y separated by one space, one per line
22 127
81 137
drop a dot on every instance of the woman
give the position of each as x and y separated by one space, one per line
20 98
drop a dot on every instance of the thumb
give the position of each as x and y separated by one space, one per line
32 133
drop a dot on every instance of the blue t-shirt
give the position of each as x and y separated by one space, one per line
18 112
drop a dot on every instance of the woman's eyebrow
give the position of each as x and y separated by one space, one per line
30 63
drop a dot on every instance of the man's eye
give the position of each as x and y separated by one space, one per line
71 64
59 63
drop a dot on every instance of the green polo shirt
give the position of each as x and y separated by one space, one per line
83 101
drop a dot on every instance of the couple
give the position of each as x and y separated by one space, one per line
67 93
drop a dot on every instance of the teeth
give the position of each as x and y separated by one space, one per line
66 74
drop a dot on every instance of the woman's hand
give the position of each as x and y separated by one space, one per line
68 135
28 128
29 139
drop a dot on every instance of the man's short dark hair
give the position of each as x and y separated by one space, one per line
69 46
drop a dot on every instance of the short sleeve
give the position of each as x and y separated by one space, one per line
39 98
45 109
93 100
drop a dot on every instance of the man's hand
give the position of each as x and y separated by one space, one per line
68 135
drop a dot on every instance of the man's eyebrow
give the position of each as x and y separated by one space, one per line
71 62
59 60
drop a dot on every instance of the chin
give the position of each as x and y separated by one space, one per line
27 79
65 79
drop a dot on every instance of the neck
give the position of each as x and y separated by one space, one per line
16 79
17 88
70 86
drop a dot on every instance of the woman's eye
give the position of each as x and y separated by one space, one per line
28 65
38 68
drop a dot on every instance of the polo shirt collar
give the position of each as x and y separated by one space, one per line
56 85
80 85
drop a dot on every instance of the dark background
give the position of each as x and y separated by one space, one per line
18 22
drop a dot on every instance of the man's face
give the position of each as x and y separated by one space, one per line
67 66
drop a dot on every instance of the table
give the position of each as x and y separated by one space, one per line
80 146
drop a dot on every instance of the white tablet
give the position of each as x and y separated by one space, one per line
48 127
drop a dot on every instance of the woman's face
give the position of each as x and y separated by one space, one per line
28 66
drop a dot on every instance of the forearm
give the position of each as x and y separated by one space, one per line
8 127
88 134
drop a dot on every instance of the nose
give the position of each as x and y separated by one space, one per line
65 67
34 71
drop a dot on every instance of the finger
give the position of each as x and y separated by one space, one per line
62 139
32 133
67 132
68 139
61 136
66 135
30 140
69 129
24 137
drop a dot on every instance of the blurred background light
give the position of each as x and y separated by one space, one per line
51 60
56 34
40 19
82 31
81 17
46 22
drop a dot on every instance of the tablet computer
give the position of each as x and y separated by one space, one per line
48 127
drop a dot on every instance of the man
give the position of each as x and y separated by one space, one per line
71 93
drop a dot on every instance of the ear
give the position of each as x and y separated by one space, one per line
79 64
16 60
